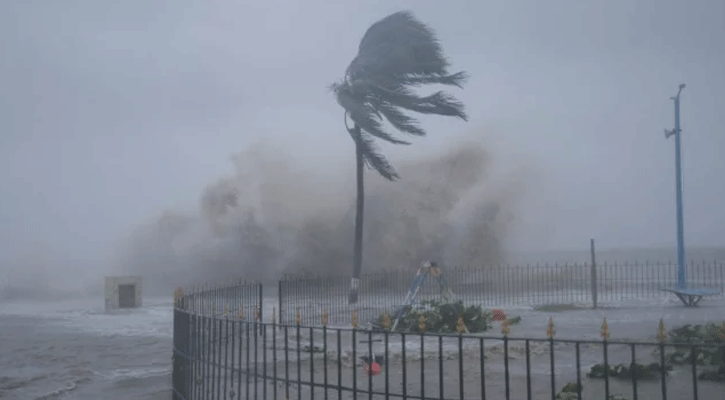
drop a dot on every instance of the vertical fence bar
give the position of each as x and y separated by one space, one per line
324 356
606 370
553 371
197 356
339 364
404 366
660 278
247 370
460 367
256 353
214 363
354 363
286 363
482 357
231 373
280 294
371 360
528 370
578 372
593 274
507 285
190 352
506 366
263 327
529 288
616 280
634 375
274 360
299 365
440 365
422 364
176 357
386 339
693 359
208 367
663 371
312 363
226 354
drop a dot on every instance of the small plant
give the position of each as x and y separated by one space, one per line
625 371
707 348
442 317
569 392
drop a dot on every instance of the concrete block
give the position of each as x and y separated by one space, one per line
123 292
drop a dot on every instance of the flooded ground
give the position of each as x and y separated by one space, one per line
75 350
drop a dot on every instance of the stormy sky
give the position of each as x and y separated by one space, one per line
113 111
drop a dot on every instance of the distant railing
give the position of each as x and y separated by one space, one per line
237 356
529 285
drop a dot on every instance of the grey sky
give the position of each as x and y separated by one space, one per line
112 111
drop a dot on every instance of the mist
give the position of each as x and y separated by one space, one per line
272 216
118 120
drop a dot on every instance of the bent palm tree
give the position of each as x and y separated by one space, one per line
396 55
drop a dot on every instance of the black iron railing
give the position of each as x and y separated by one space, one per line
238 356
529 285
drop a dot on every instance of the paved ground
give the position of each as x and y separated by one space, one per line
636 322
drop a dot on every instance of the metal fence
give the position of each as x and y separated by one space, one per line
529 285
232 356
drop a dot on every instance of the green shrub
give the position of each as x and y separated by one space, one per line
625 371
440 317
708 349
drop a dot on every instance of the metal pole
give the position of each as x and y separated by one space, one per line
681 272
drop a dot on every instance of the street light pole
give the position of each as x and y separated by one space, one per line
681 272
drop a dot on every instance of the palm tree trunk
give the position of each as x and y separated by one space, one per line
359 209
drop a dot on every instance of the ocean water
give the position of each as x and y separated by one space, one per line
74 349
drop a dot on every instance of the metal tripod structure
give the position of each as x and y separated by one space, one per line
428 268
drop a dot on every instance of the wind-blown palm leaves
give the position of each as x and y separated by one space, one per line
396 55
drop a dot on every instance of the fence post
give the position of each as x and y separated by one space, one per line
180 355
593 274
279 299
261 308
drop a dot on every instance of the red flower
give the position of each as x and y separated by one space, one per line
498 315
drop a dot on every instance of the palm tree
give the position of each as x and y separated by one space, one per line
396 55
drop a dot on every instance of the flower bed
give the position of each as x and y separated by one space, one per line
443 317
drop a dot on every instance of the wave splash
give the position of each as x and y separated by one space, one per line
272 217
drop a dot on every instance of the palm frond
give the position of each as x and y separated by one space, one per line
398 45
439 103
457 79
399 120
363 114
372 157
